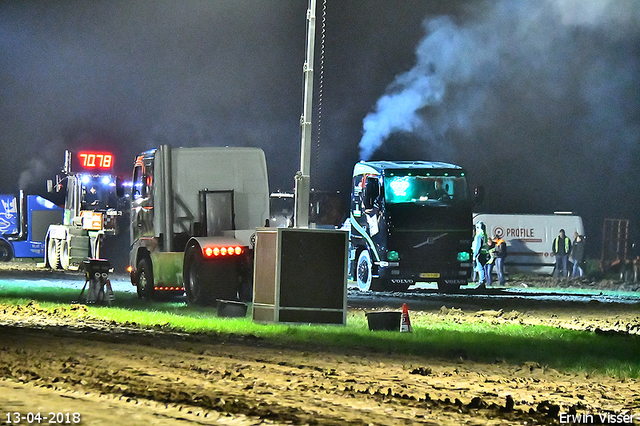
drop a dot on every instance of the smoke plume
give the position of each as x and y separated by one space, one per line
35 173
527 65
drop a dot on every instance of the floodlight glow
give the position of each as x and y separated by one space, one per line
399 186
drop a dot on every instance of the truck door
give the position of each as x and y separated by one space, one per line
141 200
371 204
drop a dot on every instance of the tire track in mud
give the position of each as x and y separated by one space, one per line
247 380
230 377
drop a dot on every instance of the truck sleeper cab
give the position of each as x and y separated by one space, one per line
410 222
193 214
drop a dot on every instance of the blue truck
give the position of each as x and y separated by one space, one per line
24 221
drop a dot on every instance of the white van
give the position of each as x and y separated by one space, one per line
529 237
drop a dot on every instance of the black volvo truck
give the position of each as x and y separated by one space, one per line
411 221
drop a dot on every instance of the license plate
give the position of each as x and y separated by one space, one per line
430 275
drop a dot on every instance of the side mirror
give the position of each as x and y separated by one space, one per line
478 195
370 193
119 187
49 186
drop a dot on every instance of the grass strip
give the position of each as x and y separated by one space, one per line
432 337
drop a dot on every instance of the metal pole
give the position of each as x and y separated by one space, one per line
303 178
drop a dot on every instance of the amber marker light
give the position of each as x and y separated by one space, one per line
223 251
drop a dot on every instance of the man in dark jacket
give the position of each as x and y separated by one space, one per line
577 255
561 248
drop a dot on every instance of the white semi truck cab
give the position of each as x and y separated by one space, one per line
194 213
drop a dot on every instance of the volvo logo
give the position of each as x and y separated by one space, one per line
429 240
401 281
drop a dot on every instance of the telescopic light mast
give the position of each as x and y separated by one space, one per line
303 178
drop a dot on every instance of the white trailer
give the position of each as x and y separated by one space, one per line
529 237
194 212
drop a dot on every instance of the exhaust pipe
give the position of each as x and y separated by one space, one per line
167 188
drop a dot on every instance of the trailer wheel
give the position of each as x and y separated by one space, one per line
6 254
53 253
144 279
64 255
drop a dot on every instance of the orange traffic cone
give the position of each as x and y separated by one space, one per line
405 322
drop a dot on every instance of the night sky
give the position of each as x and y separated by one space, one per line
538 100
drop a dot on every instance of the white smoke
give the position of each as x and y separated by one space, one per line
528 55
34 175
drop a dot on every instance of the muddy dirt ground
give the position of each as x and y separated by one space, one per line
111 373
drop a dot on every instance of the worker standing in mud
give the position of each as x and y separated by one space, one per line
561 248
479 248
500 253
577 255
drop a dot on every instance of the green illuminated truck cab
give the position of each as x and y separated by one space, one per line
410 222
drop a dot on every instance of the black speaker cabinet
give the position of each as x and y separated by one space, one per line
300 276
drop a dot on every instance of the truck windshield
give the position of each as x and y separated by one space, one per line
438 189
97 192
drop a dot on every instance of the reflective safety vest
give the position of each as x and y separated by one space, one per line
500 247
567 245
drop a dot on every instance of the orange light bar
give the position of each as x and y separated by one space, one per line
223 251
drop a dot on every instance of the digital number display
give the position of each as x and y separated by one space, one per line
95 160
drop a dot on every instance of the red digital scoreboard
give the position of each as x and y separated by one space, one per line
94 161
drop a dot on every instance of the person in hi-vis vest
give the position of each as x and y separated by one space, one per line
561 249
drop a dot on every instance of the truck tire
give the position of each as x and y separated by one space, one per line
193 277
401 287
364 273
144 279
447 288
245 293
206 281
53 253
6 253
64 255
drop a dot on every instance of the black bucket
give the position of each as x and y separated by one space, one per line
384 320
231 309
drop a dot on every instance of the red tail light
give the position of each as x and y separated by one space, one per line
222 251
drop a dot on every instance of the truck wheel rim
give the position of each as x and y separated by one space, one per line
143 281
364 275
